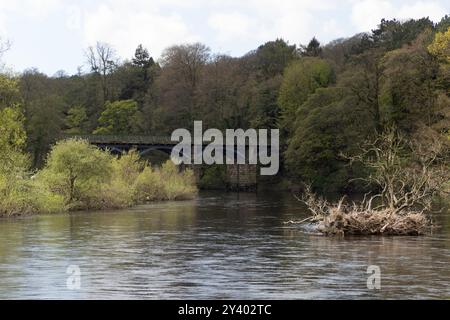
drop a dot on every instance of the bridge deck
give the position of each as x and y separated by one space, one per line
139 140
129 140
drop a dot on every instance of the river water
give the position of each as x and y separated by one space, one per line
218 246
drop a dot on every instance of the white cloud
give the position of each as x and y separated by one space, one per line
74 17
367 14
231 26
36 9
30 8
3 30
125 26
333 29
421 9
247 24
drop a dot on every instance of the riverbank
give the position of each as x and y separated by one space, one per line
78 176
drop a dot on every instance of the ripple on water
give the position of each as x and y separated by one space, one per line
218 246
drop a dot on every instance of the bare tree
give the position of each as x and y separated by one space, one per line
189 59
102 60
182 69
405 175
408 173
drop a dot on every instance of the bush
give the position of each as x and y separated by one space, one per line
45 201
120 191
13 196
19 194
177 186
213 178
165 183
79 176
76 170
149 186
127 167
113 195
22 195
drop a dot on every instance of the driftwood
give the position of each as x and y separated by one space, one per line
376 222
360 219
406 190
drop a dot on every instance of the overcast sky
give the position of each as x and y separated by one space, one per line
53 34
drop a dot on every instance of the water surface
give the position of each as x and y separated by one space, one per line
219 246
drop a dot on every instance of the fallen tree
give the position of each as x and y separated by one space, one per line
406 174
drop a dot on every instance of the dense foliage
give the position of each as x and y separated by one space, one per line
326 100
89 178
78 176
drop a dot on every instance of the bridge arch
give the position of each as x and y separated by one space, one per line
165 149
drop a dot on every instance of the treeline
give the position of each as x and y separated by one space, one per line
325 99
76 175
79 176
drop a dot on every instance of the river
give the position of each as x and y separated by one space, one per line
219 246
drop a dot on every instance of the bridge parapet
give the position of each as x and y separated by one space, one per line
117 139
144 140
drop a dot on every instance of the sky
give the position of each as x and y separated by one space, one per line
52 35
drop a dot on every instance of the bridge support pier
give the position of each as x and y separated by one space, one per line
242 177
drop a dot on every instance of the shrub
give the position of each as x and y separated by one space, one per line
120 191
165 183
21 195
127 167
44 200
213 178
177 186
77 170
79 176
13 196
149 186
113 195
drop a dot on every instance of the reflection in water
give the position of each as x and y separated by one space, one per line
226 247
